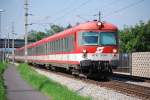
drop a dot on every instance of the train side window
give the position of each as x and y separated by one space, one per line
42 49
67 43
45 48
50 45
57 48
37 49
72 39
60 45
49 49
53 46
70 43
64 44
32 50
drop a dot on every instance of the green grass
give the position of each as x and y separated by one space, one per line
2 87
47 86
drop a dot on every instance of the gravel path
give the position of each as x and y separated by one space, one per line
86 89
18 89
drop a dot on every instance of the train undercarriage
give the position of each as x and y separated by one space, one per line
86 69
98 69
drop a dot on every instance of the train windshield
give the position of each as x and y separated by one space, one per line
90 38
98 38
107 38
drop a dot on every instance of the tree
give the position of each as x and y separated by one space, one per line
36 35
68 26
135 39
54 29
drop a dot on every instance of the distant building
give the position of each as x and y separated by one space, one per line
17 43
6 48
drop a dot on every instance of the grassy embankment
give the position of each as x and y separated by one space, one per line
2 88
47 86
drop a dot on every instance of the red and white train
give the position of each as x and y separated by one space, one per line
86 49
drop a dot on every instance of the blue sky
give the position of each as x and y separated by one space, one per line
63 12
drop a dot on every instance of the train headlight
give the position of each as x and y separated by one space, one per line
84 53
99 23
114 50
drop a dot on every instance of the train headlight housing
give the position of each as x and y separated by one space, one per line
99 23
84 51
114 50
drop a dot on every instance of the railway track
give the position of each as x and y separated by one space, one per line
136 90
125 88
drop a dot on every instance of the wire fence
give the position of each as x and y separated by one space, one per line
125 63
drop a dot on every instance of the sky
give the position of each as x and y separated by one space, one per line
63 12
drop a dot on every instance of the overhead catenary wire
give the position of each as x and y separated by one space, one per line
71 11
82 18
65 8
123 8
118 10
108 4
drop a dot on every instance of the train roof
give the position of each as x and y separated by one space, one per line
91 25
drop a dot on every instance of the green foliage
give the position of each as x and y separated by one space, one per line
2 88
53 29
135 39
47 86
68 26
35 36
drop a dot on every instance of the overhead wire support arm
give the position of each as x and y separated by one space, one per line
99 16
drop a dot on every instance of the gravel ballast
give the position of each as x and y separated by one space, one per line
87 89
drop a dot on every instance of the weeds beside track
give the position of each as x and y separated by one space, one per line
47 86
2 86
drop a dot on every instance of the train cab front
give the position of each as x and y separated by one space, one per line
99 51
